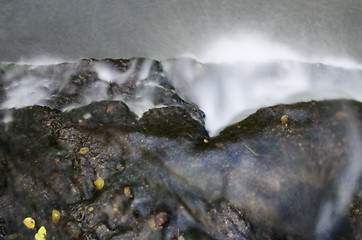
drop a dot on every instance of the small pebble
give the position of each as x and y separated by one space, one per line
55 216
73 230
83 150
341 115
160 219
284 119
110 108
99 183
127 192
181 237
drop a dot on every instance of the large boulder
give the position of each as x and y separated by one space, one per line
285 172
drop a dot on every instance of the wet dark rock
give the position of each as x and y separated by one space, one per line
172 122
3 233
73 231
172 177
105 113
165 178
3 181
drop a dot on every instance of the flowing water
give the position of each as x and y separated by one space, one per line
248 54
168 28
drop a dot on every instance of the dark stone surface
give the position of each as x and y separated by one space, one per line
165 178
220 189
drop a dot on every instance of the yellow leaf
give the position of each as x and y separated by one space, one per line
29 222
42 232
39 237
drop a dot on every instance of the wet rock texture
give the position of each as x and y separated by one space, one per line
165 178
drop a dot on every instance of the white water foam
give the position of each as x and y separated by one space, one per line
142 100
245 74
27 91
242 74
43 60
111 74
